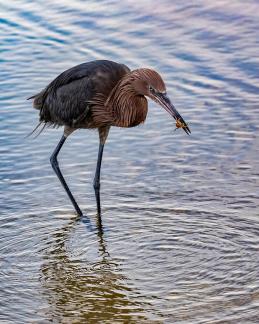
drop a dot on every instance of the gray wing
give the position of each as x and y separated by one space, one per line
64 100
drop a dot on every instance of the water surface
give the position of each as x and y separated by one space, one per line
179 242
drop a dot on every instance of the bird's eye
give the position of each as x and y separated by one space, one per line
151 89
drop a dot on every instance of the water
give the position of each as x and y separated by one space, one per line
180 236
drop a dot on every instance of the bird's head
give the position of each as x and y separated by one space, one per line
149 83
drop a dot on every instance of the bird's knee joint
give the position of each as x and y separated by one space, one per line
53 161
96 185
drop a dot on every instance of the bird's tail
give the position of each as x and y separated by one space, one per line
35 129
37 104
37 100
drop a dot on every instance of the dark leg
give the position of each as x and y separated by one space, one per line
55 166
97 178
103 133
98 167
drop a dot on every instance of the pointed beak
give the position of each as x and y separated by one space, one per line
165 102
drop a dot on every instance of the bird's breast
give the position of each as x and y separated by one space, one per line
131 113
139 117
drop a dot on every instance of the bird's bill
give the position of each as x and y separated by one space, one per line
165 102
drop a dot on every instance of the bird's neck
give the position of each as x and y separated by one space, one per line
127 107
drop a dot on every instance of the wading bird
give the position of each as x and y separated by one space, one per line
100 94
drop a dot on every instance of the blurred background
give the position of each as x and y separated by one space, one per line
180 235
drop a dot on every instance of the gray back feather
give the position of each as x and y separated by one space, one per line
65 100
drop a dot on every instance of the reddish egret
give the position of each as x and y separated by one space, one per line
100 94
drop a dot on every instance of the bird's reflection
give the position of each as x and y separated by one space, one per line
82 291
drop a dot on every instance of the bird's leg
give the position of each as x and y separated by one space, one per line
97 178
98 168
103 133
55 166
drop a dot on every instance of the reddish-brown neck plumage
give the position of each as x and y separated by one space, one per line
128 107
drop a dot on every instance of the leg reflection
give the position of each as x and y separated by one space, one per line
85 284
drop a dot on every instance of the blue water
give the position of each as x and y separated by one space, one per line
180 214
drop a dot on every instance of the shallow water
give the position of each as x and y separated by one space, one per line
180 235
